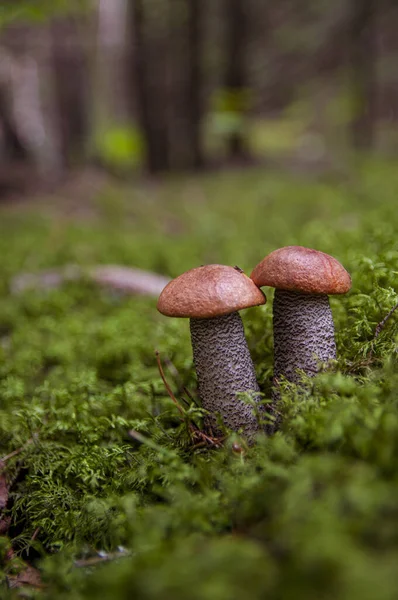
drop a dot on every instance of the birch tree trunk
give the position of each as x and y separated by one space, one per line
111 90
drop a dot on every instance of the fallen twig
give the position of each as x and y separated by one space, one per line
130 280
18 450
382 324
102 557
168 388
126 279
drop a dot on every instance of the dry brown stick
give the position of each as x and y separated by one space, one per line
379 328
174 371
168 388
18 450
382 324
211 439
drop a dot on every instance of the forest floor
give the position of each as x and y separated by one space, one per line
104 492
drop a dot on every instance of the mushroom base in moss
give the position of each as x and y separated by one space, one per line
224 369
303 333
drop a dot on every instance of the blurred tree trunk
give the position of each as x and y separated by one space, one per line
146 94
11 147
363 72
167 42
235 83
111 53
70 73
184 96
194 97
26 86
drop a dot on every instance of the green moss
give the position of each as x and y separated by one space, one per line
106 464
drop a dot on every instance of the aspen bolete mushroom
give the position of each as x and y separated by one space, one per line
303 322
210 297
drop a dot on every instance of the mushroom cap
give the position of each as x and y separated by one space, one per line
300 269
209 291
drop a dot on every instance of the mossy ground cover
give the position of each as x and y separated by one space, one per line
307 513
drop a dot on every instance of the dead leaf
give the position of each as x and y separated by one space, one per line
28 577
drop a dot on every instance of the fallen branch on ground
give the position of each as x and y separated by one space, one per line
381 325
126 279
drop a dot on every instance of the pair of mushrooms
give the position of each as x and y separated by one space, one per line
211 296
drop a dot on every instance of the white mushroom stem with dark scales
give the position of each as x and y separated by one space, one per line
224 369
303 333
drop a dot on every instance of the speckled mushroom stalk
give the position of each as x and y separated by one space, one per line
303 333
303 322
211 297
224 368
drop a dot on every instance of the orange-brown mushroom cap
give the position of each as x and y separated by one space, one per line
209 291
300 269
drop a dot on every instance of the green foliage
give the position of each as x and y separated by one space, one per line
120 147
106 471
38 10
229 111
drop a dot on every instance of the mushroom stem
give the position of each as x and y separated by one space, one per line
303 333
224 369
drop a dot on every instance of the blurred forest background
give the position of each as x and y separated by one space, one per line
155 86
127 129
